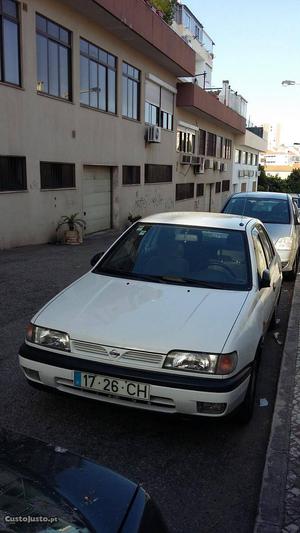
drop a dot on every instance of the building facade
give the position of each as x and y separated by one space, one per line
96 120
248 147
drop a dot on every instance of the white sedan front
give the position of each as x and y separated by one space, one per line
172 318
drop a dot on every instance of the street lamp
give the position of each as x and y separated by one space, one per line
285 83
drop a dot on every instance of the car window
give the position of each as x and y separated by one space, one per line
268 210
267 245
163 252
261 260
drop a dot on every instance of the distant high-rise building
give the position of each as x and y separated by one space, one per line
272 134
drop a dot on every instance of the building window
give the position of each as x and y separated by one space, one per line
227 149
131 92
9 42
244 158
158 173
159 104
186 142
200 189
243 187
186 20
12 173
254 186
202 142
53 59
237 156
225 185
219 146
256 160
131 175
184 191
98 78
250 162
57 175
218 186
211 144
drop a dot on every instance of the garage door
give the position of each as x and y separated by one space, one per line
96 198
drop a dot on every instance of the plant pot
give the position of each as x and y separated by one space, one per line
72 237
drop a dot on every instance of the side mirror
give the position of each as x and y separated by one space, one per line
265 279
96 258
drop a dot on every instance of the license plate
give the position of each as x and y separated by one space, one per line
110 385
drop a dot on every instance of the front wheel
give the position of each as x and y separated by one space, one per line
246 409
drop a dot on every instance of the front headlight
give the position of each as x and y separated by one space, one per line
285 243
201 362
48 337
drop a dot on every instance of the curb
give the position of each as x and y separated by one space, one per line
276 480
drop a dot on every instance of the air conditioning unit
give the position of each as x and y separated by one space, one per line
196 159
223 167
153 134
186 159
199 169
209 163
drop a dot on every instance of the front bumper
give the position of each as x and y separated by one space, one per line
287 258
169 393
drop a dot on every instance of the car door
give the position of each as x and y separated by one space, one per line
266 296
273 262
296 226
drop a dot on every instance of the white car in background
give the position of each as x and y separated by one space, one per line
172 318
280 216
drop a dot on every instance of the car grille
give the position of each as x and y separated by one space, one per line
130 356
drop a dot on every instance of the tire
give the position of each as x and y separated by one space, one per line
245 411
291 276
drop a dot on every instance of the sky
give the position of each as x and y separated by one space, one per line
257 46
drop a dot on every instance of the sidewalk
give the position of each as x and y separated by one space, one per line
279 504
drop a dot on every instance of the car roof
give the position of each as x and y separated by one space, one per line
196 218
262 194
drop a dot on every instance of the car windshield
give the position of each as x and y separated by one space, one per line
201 256
268 210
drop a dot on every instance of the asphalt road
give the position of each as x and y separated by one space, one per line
204 474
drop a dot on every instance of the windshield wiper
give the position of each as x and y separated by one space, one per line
192 281
129 275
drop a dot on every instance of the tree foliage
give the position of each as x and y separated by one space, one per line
167 7
276 184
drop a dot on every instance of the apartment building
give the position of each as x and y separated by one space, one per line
95 120
248 147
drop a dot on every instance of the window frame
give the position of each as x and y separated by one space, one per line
150 181
217 187
23 170
199 187
107 67
160 113
138 82
211 144
16 20
182 185
185 138
43 188
58 42
225 188
129 167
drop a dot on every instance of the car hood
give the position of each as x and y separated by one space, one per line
277 231
143 315
50 480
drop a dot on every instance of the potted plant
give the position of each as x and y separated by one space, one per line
72 235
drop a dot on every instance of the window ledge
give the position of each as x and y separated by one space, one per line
52 97
12 86
138 121
59 189
159 183
14 192
84 106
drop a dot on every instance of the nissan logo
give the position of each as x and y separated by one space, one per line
114 353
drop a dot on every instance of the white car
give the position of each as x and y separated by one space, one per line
171 318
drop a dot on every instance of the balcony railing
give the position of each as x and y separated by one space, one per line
230 98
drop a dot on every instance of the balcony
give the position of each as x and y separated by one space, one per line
134 22
208 106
